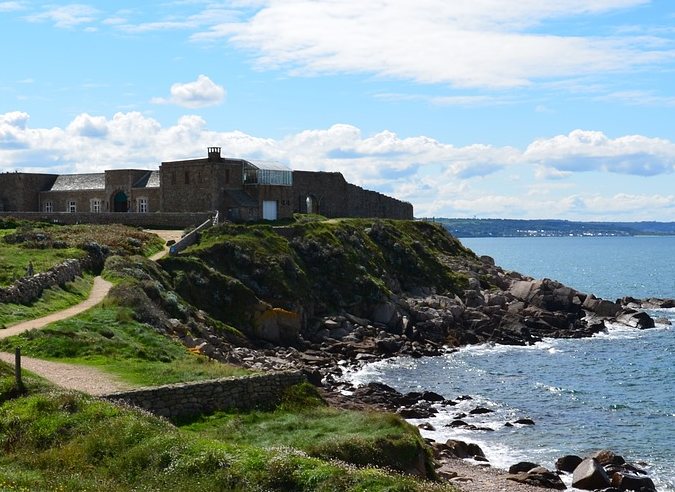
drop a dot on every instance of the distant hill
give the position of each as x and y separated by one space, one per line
551 227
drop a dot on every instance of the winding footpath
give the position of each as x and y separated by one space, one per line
73 376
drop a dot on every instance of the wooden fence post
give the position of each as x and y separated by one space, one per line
17 367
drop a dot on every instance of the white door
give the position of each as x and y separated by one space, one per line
269 210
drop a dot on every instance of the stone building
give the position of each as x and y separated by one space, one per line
241 190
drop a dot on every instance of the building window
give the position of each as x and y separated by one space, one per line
143 205
72 206
96 205
49 208
227 176
187 177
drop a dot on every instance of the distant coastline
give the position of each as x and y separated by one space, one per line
551 228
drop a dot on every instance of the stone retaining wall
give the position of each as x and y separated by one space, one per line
191 237
156 220
204 397
27 289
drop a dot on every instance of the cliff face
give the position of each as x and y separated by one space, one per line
307 271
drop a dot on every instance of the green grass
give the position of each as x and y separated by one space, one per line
46 245
54 440
14 258
109 338
53 299
360 438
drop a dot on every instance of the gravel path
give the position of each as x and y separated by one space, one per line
98 292
71 376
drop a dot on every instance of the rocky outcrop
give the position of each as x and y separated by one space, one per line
606 469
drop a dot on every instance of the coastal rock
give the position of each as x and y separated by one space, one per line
547 294
601 307
480 411
590 475
632 482
635 319
568 463
461 449
523 466
537 476
608 457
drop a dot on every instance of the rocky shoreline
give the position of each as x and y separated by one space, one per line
496 307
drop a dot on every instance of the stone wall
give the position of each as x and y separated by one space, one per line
333 196
370 204
20 191
156 220
27 289
191 237
204 397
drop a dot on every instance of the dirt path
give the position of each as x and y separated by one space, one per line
167 235
70 376
98 292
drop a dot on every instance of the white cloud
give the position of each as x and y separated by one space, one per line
582 151
201 93
66 16
204 19
88 126
12 6
465 44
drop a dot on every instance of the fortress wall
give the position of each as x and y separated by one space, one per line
20 191
204 397
327 188
337 198
367 204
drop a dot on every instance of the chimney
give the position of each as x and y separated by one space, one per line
214 154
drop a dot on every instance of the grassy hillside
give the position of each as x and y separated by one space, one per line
57 440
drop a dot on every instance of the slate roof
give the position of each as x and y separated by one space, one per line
150 180
74 182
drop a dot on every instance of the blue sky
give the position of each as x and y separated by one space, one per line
487 108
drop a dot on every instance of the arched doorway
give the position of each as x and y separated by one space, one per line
120 202
312 204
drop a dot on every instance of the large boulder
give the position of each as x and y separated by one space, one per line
627 481
276 325
384 313
635 319
568 463
590 475
461 449
538 476
547 294
601 307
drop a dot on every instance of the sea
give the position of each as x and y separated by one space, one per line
613 391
